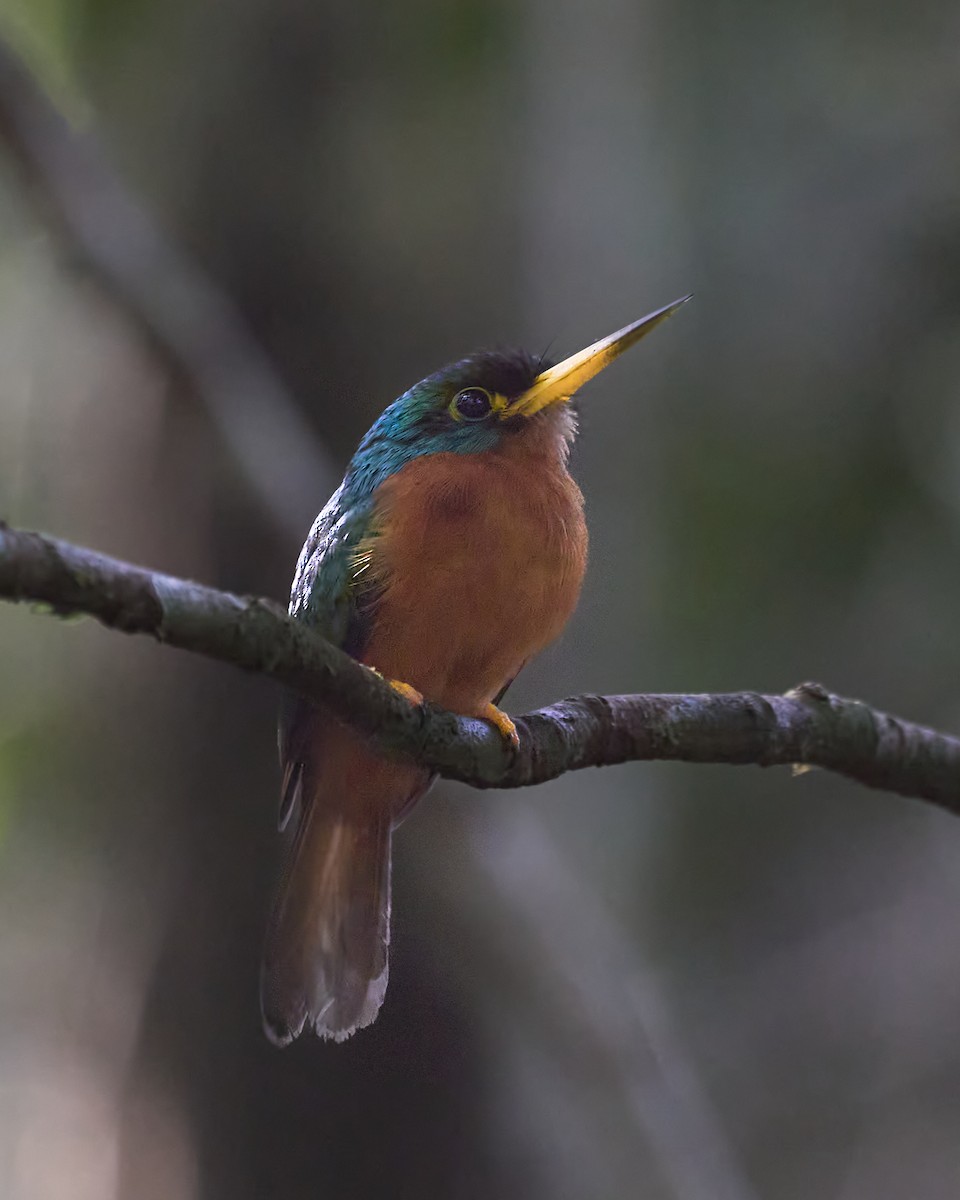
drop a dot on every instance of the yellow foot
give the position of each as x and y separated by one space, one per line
496 716
406 690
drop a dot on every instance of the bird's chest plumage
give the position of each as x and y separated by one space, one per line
478 561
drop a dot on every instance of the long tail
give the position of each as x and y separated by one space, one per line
325 962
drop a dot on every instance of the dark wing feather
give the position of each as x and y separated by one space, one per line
329 596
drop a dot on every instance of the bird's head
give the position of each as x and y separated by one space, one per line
471 405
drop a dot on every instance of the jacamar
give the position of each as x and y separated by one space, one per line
451 554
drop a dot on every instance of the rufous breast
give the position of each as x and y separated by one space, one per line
478 561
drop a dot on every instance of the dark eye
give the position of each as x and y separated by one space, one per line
472 404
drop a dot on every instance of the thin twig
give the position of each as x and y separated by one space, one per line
808 725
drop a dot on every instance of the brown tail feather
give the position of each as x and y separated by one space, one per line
325 963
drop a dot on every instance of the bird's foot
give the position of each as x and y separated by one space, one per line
496 716
406 690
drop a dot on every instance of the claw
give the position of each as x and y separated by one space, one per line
406 690
496 716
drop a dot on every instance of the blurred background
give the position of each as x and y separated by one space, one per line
258 222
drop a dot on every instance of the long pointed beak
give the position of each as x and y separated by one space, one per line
559 383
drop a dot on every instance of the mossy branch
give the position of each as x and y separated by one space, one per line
807 726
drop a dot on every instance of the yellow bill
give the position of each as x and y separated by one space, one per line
559 383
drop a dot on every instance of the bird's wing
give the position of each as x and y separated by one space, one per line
334 592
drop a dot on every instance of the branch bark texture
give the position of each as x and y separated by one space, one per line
807 726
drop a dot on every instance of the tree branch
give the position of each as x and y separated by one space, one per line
807 725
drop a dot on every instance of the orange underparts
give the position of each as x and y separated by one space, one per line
477 561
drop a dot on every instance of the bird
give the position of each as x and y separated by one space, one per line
453 552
